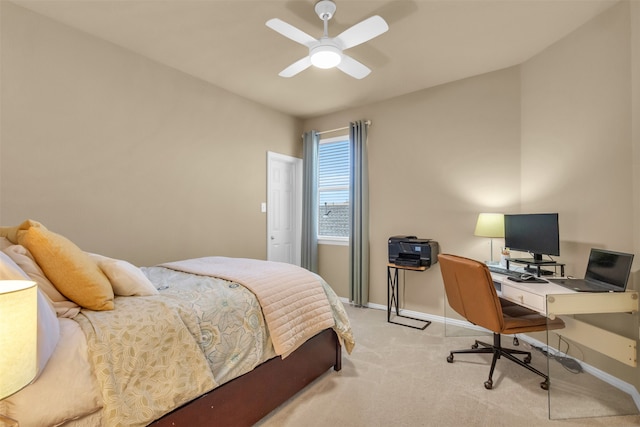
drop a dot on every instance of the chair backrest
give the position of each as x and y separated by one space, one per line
471 292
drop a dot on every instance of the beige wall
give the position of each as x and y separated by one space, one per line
577 110
635 129
576 137
127 157
557 134
430 165
334 268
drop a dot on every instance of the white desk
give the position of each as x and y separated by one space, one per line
554 300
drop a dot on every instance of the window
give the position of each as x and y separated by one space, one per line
333 189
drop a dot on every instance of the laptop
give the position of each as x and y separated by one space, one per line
607 271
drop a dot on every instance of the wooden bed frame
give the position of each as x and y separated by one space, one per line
245 400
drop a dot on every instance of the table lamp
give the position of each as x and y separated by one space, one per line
490 225
18 337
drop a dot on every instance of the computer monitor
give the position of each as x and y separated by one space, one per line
537 234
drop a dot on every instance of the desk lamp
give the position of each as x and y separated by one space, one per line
18 337
490 225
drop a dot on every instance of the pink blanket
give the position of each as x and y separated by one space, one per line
294 304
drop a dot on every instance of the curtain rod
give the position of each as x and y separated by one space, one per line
332 130
367 122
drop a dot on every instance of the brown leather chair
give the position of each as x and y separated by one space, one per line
471 293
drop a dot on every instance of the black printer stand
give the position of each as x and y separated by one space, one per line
393 295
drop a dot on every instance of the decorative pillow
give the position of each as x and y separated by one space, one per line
21 256
70 270
126 279
48 326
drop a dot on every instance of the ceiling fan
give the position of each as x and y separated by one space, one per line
327 52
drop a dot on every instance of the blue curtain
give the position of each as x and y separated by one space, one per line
359 215
309 250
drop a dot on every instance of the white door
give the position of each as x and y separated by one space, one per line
284 208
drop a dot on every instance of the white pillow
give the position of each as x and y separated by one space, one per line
9 270
48 326
48 330
126 279
23 258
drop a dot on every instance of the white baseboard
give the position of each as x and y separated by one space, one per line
603 376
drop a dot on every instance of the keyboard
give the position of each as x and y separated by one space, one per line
504 271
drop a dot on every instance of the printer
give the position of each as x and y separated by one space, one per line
410 251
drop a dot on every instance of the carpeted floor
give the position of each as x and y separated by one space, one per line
398 376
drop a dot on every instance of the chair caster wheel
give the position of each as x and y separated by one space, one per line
544 385
488 384
475 345
527 359
450 358
515 341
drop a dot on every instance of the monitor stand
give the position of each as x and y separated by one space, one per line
533 261
535 266
534 270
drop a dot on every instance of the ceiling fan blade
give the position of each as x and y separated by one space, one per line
352 67
296 67
362 32
290 32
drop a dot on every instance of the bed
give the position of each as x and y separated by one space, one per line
206 341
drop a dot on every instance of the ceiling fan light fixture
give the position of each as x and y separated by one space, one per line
326 52
325 56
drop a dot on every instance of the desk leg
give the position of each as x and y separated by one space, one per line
393 296
392 301
388 294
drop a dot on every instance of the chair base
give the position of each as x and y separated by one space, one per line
498 351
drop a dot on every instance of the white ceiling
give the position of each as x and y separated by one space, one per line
226 42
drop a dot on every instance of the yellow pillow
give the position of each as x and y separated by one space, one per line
70 269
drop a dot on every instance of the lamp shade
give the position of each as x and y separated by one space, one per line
490 225
18 334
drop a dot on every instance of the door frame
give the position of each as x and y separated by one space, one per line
297 195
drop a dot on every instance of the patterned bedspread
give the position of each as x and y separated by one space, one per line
294 304
154 353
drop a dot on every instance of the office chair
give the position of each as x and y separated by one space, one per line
471 293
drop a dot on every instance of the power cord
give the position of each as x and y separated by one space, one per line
569 363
